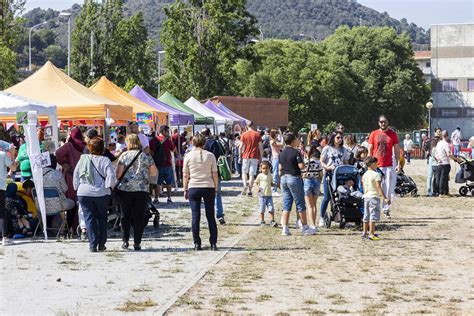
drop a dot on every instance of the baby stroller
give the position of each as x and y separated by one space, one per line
344 209
465 175
405 185
115 214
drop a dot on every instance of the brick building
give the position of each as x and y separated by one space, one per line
262 111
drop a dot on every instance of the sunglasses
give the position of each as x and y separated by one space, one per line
383 122
338 137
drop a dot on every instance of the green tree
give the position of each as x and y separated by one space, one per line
203 40
121 49
351 77
10 29
56 54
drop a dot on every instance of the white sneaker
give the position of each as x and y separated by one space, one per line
321 222
298 224
315 228
285 231
307 231
7 242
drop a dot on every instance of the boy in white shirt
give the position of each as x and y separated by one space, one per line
371 182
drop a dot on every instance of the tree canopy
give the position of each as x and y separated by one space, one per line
203 39
351 77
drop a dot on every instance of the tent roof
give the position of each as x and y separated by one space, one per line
213 107
108 89
74 101
172 101
201 109
220 105
177 117
10 104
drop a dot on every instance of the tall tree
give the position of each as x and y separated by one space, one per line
10 29
203 40
121 49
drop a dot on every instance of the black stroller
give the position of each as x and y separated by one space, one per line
465 175
344 209
405 185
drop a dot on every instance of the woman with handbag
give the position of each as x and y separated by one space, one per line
133 170
200 183
93 179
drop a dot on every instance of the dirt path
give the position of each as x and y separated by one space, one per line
422 264
63 278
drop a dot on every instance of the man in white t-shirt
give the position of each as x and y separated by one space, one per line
443 156
407 147
456 139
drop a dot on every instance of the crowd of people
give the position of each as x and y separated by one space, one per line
133 171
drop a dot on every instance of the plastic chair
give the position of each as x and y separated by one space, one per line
53 200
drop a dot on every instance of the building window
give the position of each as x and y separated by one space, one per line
470 84
449 113
450 85
428 64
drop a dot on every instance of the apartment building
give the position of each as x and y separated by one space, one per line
452 67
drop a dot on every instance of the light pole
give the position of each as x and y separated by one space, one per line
29 43
429 106
306 35
68 14
159 70
261 34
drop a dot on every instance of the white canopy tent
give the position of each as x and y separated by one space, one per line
201 109
10 105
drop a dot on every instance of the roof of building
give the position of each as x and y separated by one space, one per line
423 54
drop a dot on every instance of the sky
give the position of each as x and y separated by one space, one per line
421 12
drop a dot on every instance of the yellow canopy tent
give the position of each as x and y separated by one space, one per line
74 101
110 90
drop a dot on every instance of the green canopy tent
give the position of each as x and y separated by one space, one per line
199 119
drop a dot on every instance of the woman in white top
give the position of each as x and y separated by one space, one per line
407 147
200 183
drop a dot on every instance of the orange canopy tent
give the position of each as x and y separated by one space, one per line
110 90
74 101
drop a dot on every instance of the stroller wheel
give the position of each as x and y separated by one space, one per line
414 193
342 223
327 220
156 221
402 194
463 190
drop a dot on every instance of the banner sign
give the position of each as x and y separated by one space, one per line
314 127
22 117
144 118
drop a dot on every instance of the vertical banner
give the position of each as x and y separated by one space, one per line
36 160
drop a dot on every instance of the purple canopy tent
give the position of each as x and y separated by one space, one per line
211 106
177 117
227 110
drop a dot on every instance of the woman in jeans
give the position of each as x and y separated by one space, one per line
93 179
200 183
133 189
276 149
333 155
291 163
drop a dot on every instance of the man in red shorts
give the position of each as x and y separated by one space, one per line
384 144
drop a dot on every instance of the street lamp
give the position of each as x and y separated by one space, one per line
159 70
429 106
29 43
261 34
68 14
306 35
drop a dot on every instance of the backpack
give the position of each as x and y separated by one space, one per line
158 154
215 147
224 169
